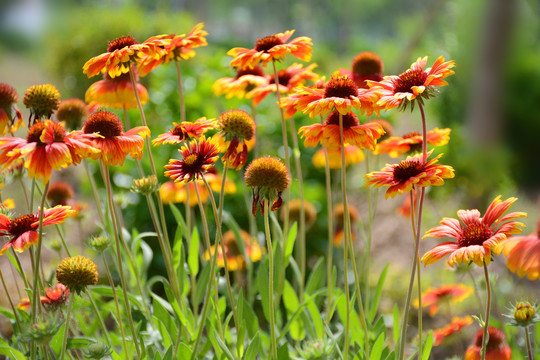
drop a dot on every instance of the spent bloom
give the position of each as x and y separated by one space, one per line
496 348
414 171
238 86
268 178
42 100
365 66
72 112
439 335
434 297
236 127
235 256
412 142
10 116
186 130
77 273
116 92
272 48
523 254
198 157
476 237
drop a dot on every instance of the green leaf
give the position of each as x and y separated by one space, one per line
107 291
427 346
317 277
11 353
79 342
356 329
377 349
253 348
252 323
290 244
162 328
290 300
202 283
193 256
283 352
262 284
316 319
184 352
297 312
180 220
378 292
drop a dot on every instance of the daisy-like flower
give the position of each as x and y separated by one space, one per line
433 297
288 103
412 142
476 237
295 75
198 157
413 171
174 47
268 178
416 83
439 335
59 193
365 66
72 112
387 127
47 146
353 155
186 130
235 259
21 231
108 136
294 212
236 127
337 214
339 93
10 116
116 92
496 348
53 297
354 133
238 86
121 54
523 254
42 100
272 48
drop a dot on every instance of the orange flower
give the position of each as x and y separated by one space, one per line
433 297
271 48
338 215
235 259
21 231
413 171
173 47
353 155
365 66
47 146
439 335
53 297
237 128
238 86
295 205
186 130
340 93
108 136
414 84
59 193
496 348
295 75
116 92
523 253
288 104
10 116
412 142
476 237
121 54
198 157
354 133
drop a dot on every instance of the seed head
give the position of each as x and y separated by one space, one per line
268 178
76 273
73 112
59 193
42 100
236 124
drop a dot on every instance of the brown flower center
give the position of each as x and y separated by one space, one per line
283 76
341 87
21 225
257 71
8 95
34 133
105 123
179 131
349 120
409 79
367 63
475 234
496 338
408 169
267 42
121 42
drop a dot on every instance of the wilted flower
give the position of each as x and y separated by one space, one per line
236 127
10 116
42 100
77 273
72 112
268 178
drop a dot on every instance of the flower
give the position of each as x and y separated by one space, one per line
116 92
21 231
271 48
496 348
288 104
121 54
186 130
413 171
365 66
42 100
146 185
439 335
72 112
236 127
339 93
235 258
53 297
354 133
100 243
268 178
454 293
523 254
238 86
310 212
76 273
523 314
59 193
412 142
353 155
387 127
338 213
108 136
414 84
198 157
47 146
295 75
476 237
97 351
10 116
174 47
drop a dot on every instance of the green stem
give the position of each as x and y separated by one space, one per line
101 323
35 293
485 336
17 320
19 265
413 213
270 280
329 269
66 329
181 93
528 340
25 192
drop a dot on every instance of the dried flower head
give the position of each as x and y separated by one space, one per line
236 127
268 178
59 193
42 100
10 116
76 273
72 112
